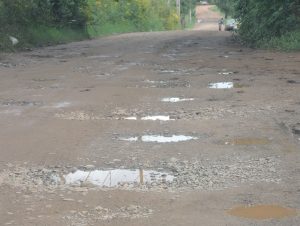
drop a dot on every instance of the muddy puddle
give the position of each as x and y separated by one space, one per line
170 174
249 141
176 99
160 138
117 177
221 85
262 212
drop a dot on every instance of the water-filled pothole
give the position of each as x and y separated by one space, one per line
249 141
117 177
23 103
160 138
221 85
167 84
152 118
176 99
262 212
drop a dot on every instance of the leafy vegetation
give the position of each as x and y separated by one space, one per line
273 24
40 22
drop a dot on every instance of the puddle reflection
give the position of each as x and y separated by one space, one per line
221 85
116 177
160 139
176 99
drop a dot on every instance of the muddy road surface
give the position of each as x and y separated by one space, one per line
162 128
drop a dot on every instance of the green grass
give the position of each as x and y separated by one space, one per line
48 35
287 42
40 36
109 29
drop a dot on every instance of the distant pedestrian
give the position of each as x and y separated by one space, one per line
221 22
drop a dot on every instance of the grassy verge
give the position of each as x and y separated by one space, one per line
41 36
109 29
287 42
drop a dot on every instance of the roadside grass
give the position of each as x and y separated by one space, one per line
287 42
48 35
40 36
110 28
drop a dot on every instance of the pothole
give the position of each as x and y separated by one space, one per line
176 99
166 84
160 138
117 177
296 129
62 104
203 113
173 174
152 118
249 141
221 85
262 212
23 103
77 115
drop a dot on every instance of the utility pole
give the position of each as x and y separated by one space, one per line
178 7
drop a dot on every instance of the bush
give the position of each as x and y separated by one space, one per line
38 22
265 22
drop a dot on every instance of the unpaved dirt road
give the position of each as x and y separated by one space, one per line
78 146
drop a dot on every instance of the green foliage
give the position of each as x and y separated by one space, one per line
264 21
107 16
48 21
287 42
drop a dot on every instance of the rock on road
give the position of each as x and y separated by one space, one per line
160 128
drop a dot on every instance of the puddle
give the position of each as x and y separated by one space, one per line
221 85
102 56
116 177
249 141
131 118
261 212
62 104
160 139
239 86
151 118
157 117
168 84
226 73
165 139
132 139
23 103
176 99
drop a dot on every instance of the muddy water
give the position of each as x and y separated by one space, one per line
261 212
250 141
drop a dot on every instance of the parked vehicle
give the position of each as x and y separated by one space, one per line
231 25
